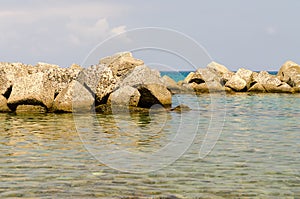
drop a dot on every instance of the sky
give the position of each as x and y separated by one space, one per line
256 34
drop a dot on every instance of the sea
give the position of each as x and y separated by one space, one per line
227 146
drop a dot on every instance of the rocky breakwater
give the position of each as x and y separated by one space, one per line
217 78
116 81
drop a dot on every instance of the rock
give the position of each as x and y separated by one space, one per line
257 88
152 94
61 77
8 73
181 108
105 77
170 84
226 77
121 63
74 98
197 88
3 104
282 88
194 77
290 73
31 109
245 75
34 89
124 96
284 67
141 75
264 77
217 68
212 79
236 83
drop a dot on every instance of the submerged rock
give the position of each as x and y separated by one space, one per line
31 109
34 89
181 108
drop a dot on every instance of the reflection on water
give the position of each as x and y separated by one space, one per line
257 155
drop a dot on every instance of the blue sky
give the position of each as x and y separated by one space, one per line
256 34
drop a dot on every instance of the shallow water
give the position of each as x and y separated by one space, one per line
256 155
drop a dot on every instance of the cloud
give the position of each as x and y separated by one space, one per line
49 29
81 32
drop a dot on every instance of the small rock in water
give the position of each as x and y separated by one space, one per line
31 109
181 108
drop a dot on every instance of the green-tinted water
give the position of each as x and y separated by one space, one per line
256 156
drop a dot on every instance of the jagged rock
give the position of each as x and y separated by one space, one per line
104 78
264 77
74 98
217 68
246 75
31 109
121 63
194 77
282 88
8 73
181 108
152 94
212 79
284 67
61 77
124 96
141 75
34 89
290 73
226 77
3 104
257 88
236 83
197 88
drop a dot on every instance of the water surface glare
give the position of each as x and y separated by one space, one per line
256 156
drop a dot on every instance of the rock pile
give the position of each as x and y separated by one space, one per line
124 81
118 80
216 78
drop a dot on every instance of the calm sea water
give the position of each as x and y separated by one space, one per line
256 155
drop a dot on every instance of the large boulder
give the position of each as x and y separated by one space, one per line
236 83
257 88
9 72
121 63
105 77
124 96
194 77
34 89
270 83
290 73
141 75
246 75
60 77
152 94
74 98
217 68
284 67
172 85
3 104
